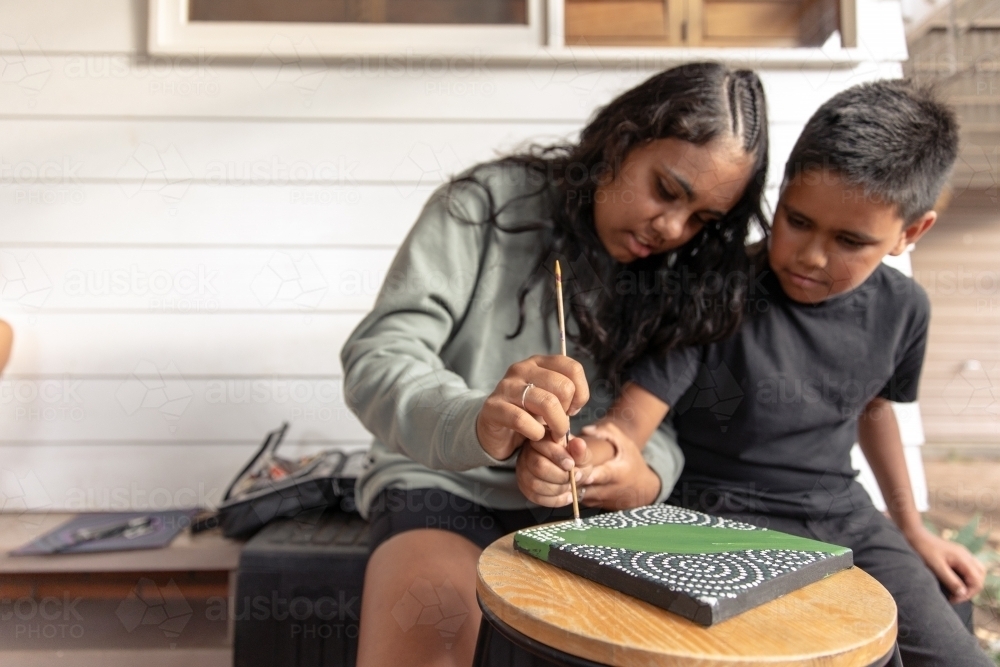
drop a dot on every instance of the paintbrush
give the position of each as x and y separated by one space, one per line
562 349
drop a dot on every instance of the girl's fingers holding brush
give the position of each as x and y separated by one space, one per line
573 371
548 387
503 427
567 379
538 401
534 393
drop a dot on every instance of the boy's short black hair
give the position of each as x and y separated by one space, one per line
892 138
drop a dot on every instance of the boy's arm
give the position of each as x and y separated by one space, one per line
637 414
626 480
954 566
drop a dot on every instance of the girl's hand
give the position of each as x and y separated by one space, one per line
558 388
543 468
624 481
956 568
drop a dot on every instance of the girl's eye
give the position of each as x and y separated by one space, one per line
663 192
797 223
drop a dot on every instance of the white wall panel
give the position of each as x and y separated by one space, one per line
210 344
81 213
162 402
165 156
123 85
54 26
53 475
49 476
62 278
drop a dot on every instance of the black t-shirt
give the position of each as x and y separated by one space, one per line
767 418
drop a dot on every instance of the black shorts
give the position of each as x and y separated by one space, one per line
930 633
396 511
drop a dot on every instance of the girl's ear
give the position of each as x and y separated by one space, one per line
912 232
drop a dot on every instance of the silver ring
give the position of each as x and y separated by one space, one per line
524 394
581 492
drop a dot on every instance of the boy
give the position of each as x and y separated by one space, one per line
766 419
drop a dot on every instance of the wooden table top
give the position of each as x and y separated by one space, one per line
845 619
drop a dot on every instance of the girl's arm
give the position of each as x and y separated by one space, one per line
395 380
954 566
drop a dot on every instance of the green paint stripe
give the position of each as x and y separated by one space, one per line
681 539
532 545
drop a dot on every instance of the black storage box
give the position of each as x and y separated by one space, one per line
298 592
298 596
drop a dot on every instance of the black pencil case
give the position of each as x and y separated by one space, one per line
305 489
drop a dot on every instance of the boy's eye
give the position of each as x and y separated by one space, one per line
851 243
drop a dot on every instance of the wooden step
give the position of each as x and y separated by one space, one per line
151 607
205 657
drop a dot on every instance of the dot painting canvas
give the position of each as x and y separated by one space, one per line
704 568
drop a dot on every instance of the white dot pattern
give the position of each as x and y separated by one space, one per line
641 516
701 576
705 577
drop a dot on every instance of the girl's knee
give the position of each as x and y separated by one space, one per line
419 603
438 557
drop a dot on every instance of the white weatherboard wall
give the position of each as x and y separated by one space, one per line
185 243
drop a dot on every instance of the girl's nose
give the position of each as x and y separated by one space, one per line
671 226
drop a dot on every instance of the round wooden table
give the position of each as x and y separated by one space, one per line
845 619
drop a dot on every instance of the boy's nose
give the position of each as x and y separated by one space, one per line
813 256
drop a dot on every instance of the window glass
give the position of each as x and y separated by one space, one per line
718 23
489 12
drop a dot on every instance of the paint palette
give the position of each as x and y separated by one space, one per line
704 568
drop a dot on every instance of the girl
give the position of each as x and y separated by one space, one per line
454 369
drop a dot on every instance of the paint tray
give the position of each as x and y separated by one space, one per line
704 568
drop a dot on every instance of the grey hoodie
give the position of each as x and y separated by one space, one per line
418 368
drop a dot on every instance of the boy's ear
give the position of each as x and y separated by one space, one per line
912 232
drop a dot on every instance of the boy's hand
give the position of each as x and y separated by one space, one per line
543 468
625 480
956 568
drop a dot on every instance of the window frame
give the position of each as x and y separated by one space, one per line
541 41
171 32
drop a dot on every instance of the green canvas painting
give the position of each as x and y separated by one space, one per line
704 568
